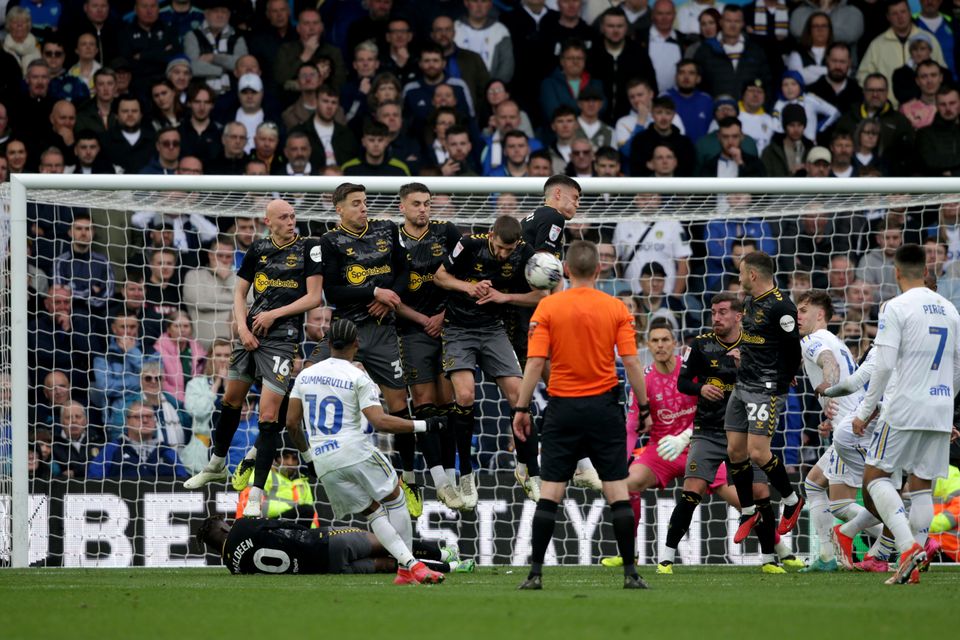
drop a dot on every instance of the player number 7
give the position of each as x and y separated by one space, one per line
942 332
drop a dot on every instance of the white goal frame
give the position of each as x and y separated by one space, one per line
21 183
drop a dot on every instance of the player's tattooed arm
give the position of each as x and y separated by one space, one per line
831 368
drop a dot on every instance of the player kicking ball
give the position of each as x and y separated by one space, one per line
328 398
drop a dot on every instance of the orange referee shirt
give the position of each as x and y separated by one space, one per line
577 330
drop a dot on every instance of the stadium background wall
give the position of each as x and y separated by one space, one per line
123 524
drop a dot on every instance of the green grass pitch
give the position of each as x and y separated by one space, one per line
577 602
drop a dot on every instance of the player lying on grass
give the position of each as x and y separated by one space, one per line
256 545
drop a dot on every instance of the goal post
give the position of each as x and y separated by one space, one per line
472 202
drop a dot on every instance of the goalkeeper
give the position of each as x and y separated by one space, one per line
256 545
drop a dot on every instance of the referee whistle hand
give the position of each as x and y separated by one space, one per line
859 426
521 426
436 423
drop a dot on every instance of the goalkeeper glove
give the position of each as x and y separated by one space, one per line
670 447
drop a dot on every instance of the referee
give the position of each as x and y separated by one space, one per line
581 330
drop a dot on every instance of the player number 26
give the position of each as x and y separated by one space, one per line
324 416
758 412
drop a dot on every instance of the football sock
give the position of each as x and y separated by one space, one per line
821 517
400 518
387 535
439 476
461 421
636 503
269 444
448 439
883 548
890 507
452 474
216 462
429 442
779 480
584 464
861 521
921 514
225 430
766 529
544 519
255 497
844 509
625 532
426 550
681 517
405 446
741 474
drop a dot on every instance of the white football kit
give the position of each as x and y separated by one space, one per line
919 337
836 467
353 472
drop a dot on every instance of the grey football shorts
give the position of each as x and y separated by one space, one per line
754 412
271 362
708 450
464 348
379 354
420 356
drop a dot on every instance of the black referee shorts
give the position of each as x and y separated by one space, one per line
575 428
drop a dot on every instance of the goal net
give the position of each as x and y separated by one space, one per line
117 300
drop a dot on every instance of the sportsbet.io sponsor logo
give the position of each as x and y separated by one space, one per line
417 280
261 281
357 274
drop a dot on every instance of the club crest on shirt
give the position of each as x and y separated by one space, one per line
436 249
291 260
554 232
383 246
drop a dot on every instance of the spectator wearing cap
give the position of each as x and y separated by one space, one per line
124 70
757 123
709 145
215 46
129 145
785 155
896 132
308 47
615 59
730 59
905 86
663 131
837 86
888 51
566 83
817 164
821 115
600 134
694 107
250 113
138 454
732 161
180 75
148 43
226 104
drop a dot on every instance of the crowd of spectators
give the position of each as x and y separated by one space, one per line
131 316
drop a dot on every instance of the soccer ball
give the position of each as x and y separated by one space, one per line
543 271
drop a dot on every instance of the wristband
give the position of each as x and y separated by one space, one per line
419 426
307 456
521 409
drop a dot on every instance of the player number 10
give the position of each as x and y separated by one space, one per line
327 410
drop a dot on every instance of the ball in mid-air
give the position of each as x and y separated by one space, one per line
543 271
